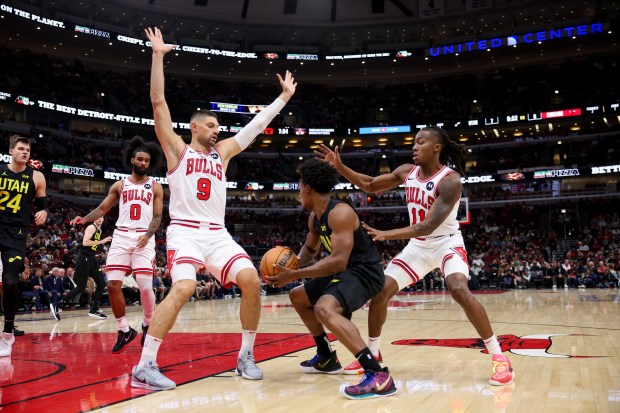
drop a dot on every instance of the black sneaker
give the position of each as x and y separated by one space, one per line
322 364
97 314
17 332
145 330
124 339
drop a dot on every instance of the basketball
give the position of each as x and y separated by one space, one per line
283 256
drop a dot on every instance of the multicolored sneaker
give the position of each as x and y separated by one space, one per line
373 384
322 364
502 371
356 368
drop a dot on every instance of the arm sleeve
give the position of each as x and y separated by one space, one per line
258 124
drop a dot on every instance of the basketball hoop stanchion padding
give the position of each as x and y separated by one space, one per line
467 221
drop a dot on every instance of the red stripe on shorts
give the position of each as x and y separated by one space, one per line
402 264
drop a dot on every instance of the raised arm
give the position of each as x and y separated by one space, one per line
103 208
231 147
171 143
366 183
449 193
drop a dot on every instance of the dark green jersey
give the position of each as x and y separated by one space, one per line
16 195
364 251
93 248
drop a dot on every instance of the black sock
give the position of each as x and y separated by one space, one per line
367 361
8 326
322 345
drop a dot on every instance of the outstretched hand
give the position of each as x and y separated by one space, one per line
288 84
77 220
375 234
157 41
327 155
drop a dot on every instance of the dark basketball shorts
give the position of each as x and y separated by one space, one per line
352 288
13 248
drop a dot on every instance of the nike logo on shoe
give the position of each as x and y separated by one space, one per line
383 385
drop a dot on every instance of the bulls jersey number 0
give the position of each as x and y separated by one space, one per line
136 204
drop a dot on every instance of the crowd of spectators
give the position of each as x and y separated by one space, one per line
523 89
515 246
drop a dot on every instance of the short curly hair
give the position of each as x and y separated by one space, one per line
319 175
137 144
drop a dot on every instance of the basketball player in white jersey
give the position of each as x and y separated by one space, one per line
141 202
197 237
432 192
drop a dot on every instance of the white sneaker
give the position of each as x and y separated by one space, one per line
149 377
247 368
566 286
555 287
6 369
6 344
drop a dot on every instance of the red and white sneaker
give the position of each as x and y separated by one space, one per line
356 368
502 371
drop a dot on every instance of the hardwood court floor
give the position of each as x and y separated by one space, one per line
563 345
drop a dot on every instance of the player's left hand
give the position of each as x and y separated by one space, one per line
284 277
142 241
375 234
40 217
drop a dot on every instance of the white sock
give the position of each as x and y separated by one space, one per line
492 346
247 342
147 297
374 344
123 324
150 349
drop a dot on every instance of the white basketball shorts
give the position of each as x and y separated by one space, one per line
213 249
124 256
420 257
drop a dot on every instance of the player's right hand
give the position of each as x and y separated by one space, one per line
77 220
107 239
157 41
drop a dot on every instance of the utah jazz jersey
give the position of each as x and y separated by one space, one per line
16 195
93 248
364 250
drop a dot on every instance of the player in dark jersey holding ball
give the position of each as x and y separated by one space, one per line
340 283
20 187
